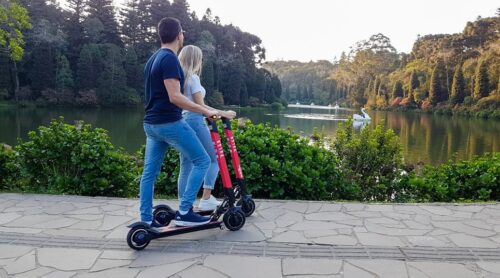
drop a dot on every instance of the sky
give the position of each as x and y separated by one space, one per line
322 29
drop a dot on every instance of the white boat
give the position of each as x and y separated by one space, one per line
312 103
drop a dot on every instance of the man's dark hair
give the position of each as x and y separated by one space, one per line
168 29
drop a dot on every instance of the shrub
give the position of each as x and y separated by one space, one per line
277 106
468 101
87 98
280 164
276 164
490 102
475 179
74 159
371 161
7 168
215 99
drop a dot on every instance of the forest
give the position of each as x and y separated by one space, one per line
91 53
444 70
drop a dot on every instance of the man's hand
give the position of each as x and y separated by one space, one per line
210 114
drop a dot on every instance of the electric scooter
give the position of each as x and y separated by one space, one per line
141 233
163 214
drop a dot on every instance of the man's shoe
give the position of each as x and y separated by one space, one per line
209 204
190 219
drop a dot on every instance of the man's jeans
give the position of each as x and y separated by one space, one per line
181 137
197 122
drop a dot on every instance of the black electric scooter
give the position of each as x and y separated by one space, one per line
163 214
141 233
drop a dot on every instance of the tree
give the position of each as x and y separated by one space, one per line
207 76
481 85
397 90
14 20
457 87
437 91
103 10
74 30
64 76
414 83
43 69
133 70
89 67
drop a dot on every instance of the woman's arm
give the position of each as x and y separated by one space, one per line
198 99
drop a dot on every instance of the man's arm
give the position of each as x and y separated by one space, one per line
176 97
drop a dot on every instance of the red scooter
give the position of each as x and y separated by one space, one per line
141 233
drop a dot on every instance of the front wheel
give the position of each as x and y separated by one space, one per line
247 206
234 219
138 238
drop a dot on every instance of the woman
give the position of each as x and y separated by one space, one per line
190 59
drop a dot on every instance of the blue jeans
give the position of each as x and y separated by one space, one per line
198 124
180 136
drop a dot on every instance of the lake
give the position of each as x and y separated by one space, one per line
432 139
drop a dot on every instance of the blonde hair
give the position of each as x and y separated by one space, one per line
190 58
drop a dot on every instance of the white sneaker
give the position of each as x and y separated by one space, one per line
210 204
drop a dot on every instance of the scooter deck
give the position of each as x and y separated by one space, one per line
172 230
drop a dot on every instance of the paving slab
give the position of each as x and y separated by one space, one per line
75 236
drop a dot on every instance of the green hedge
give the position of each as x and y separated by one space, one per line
7 167
364 166
371 160
475 179
276 164
73 159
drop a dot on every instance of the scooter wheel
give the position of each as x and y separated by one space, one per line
234 219
138 238
247 206
162 215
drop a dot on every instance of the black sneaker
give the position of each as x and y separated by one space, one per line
190 219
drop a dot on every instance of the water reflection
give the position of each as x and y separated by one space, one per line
428 138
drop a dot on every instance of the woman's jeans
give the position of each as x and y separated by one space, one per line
198 124
180 136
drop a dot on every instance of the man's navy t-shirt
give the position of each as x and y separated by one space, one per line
162 65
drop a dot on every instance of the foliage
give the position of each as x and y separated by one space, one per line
276 164
73 159
106 50
475 179
14 20
371 161
481 83
365 166
458 87
7 167
280 164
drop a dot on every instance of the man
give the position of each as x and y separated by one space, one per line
164 126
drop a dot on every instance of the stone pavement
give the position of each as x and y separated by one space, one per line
73 236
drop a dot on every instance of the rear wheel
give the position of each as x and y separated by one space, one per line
162 215
247 206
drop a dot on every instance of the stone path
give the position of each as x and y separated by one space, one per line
72 236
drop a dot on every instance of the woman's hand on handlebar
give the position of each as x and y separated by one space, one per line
228 114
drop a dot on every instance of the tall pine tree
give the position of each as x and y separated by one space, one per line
481 85
437 91
103 10
397 90
457 87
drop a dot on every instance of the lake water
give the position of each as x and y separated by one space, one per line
427 138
